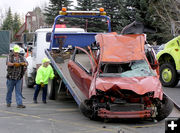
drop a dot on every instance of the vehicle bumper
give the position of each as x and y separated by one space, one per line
103 113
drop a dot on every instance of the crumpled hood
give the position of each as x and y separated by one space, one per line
139 85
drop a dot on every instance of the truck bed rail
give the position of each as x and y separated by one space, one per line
63 72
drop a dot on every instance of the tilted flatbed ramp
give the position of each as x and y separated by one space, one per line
63 72
67 40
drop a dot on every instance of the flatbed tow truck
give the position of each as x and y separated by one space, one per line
102 81
70 40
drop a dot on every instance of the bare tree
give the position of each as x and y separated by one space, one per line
168 11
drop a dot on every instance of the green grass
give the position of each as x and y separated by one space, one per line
2 56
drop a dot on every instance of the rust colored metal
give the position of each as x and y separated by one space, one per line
82 80
109 92
103 113
121 48
140 85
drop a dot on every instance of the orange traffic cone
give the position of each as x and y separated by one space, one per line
27 53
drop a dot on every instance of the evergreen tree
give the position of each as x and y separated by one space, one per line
16 23
53 9
112 8
142 11
11 23
86 5
8 21
90 24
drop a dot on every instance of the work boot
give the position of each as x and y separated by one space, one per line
8 105
44 102
35 101
21 106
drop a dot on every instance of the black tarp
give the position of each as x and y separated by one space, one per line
4 41
137 28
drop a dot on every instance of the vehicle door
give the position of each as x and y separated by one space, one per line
81 68
34 47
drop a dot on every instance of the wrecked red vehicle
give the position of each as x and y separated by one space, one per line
118 80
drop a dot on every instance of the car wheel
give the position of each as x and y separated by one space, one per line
164 109
88 112
168 75
85 110
29 81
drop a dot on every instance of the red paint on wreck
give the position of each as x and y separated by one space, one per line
103 113
121 48
139 85
80 78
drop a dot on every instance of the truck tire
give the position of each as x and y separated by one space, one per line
51 90
165 109
53 86
168 75
28 81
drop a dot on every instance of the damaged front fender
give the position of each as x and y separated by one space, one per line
139 85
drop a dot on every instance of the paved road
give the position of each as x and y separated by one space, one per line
173 93
62 116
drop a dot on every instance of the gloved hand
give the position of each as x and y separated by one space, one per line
23 64
17 64
42 85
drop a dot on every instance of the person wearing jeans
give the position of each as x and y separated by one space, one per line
44 94
11 84
15 64
44 72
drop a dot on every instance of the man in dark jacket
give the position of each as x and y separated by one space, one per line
15 69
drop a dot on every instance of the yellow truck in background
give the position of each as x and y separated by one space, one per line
169 60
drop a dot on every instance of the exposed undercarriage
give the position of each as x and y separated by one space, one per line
118 103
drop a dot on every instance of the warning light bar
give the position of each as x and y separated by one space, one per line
88 13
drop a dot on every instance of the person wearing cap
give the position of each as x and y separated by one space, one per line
44 72
15 70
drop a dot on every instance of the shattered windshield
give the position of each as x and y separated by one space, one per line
137 68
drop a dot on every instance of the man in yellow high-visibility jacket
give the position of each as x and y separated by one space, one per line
44 72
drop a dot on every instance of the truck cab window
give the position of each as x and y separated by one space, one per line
48 37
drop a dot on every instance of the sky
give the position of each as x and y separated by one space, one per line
21 6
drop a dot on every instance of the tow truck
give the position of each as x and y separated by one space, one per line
61 42
168 59
108 75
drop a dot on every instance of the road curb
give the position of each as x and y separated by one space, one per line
175 104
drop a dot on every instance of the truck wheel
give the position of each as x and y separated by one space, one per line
165 109
53 86
168 75
51 90
29 81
